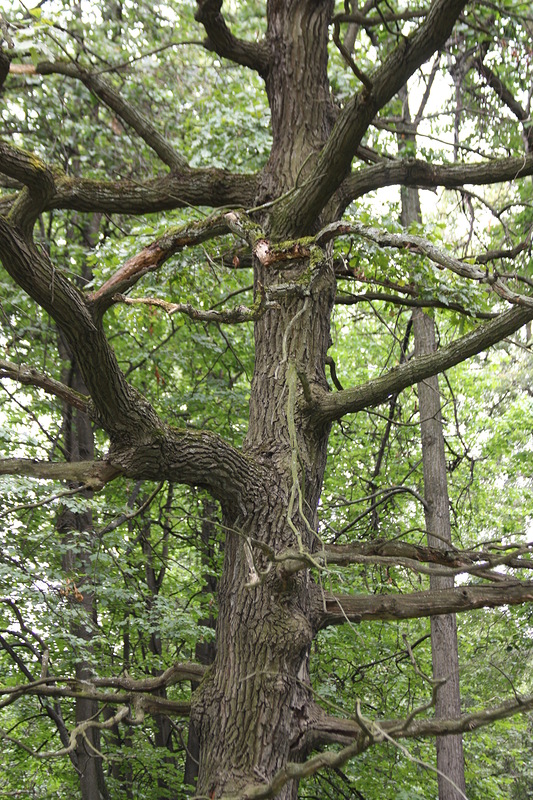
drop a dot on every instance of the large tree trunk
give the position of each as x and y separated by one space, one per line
251 711
297 86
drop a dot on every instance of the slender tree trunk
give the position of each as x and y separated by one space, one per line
79 446
444 649
78 442
163 737
204 651
450 758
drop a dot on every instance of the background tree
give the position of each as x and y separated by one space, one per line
444 647
152 177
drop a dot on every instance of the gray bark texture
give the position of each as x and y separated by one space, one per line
253 717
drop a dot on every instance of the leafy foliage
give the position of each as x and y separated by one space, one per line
123 581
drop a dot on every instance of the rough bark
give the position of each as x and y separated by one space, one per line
252 712
298 91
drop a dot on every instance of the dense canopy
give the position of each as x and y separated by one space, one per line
265 399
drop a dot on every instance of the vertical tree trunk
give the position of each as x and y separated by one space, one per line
444 649
163 737
450 758
79 446
204 651
251 710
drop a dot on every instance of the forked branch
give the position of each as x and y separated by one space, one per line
155 255
234 316
224 43
438 256
38 183
424 560
303 207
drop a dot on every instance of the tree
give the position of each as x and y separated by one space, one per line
444 648
331 77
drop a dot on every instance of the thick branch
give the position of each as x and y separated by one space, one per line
5 61
187 671
202 187
94 474
329 407
303 207
38 181
149 703
496 83
21 165
493 255
143 446
366 21
337 609
296 771
195 458
413 172
505 95
179 189
156 253
224 43
117 404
